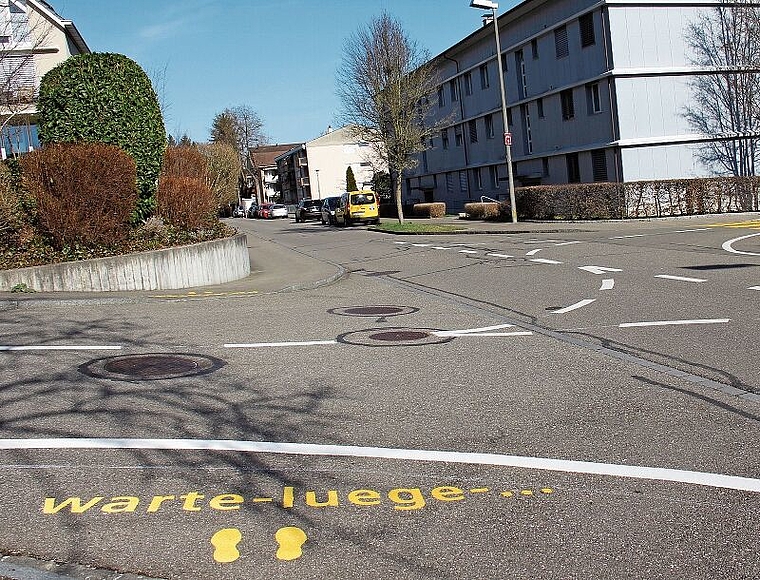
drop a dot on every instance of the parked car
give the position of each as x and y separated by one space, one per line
252 211
278 210
239 211
308 209
357 206
265 210
329 204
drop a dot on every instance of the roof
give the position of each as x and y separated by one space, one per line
67 25
264 155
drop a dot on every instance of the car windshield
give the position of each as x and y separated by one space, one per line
332 202
362 198
312 203
278 206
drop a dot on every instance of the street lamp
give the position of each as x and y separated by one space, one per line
493 6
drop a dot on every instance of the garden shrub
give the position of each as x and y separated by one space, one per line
223 172
432 210
106 98
186 202
483 210
85 193
570 201
184 162
11 211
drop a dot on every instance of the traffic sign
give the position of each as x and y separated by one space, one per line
507 138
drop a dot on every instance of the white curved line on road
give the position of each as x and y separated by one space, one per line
492 459
728 246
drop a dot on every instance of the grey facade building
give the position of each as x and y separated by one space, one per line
596 91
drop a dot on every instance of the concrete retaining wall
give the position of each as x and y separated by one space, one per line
203 264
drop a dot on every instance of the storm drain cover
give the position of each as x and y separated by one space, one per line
375 311
147 367
393 337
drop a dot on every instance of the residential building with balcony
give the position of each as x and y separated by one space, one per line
317 169
34 38
596 90
266 178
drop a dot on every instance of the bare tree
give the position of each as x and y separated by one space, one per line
21 37
385 82
726 44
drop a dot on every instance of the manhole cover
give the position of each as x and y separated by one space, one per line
393 337
375 311
148 367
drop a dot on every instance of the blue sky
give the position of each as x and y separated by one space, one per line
277 56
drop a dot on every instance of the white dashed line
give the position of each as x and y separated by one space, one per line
278 344
679 278
545 261
468 252
440 248
631 236
598 269
495 255
674 322
716 480
694 230
575 306
567 243
607 284
421 245
533 252
754 288
57 347
401 243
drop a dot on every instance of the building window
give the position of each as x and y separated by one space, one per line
441 97
504 67
458 136
484 82
445 138
463 181
573 168
560 42
568 106
545 166
16 7
477 178
587 30
599 164
509 118
493 171
449 183
540 107
489 126
534 47
473 126
593 99
453 91
467 83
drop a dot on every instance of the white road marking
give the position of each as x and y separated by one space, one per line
445 333
754 288
607 284
674 322
567 243
729 245
58 347
278 344
421 245
440 248
575 306
401 243
495 255
598 269
679 278
694 230
481 329
468 251
545 261
630 236
533 252
491 459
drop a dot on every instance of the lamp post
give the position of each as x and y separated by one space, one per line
493 6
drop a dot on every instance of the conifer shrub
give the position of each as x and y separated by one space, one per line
85 193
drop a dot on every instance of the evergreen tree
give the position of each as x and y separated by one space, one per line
350 180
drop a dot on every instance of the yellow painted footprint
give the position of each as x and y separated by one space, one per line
225 543
290 540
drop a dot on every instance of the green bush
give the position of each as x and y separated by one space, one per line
85 193
431 210
106 98
186 202
483 210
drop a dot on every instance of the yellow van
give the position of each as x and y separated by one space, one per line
358 206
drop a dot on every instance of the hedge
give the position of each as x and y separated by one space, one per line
430 210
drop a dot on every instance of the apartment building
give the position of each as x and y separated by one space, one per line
317 169
266 179
596 91
34 38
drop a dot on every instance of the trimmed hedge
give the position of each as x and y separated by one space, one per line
484 210
430 210
85 193
186 202
106 98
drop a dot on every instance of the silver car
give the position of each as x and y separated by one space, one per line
278 211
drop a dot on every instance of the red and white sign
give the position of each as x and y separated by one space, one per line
507 138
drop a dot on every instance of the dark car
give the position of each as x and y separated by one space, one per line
309 209
328 209
252 211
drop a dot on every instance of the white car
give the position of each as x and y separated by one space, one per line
278 211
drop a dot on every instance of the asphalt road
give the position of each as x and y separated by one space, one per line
571 401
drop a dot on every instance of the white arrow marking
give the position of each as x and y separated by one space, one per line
598 269
533 252
679 278
575 306
607 284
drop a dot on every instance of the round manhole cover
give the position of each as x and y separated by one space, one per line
375 311
393 337
148 367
